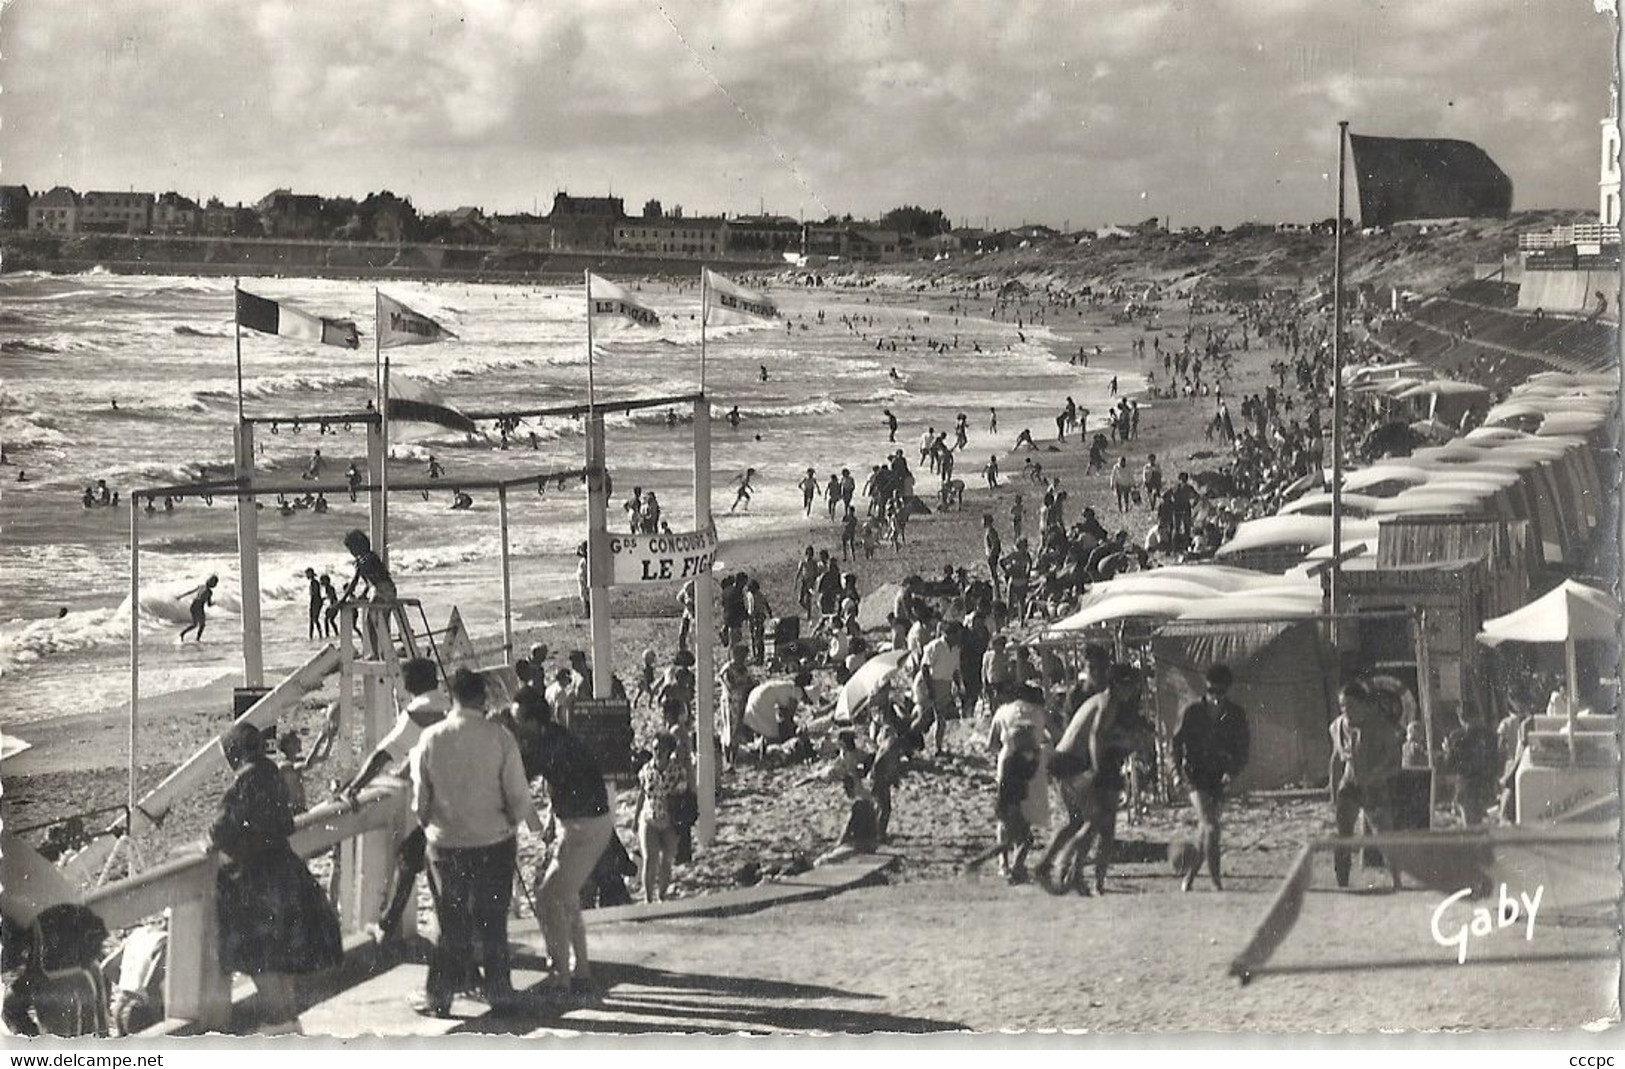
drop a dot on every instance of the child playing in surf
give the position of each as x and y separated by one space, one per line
743 483
202 597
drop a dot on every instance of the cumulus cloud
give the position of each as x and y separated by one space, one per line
1050 109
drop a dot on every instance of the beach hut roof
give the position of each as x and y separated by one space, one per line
1149 582
1378 474
1221 577
1366 561
1445 388
1564 423
1320 504
1247 607
1439 501
1296 530
1144 606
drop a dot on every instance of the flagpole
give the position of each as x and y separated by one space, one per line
1337 381
383 472
704 315
588 279
600 572
237 337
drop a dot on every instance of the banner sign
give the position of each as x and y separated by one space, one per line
661 558
605 726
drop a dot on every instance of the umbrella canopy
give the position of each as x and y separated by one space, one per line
1571 423
1220 577
874 606
1299 530
866 680
1131 607
1571 612
11 746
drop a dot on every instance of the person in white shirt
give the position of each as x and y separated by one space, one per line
940 657
426 708
469 793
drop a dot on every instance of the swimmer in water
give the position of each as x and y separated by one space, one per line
891 424
314 468
743 482
435 470
733 417
202 597
114 403
764 372
894 374
352 476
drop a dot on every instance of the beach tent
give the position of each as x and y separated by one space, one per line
876 604
1283 671
1220 577
1573 612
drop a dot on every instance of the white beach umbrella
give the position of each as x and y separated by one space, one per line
876 671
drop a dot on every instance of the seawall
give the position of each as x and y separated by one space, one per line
130 254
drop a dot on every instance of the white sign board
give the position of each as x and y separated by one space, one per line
661 558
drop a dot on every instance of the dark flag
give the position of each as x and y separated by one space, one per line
1426 178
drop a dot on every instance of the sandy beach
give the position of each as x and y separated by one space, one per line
944 815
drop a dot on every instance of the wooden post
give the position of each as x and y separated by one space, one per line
705 713
195 986
248 560
1424 699
599 566
376 452
135 656
507 577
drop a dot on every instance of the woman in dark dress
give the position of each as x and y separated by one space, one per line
274 921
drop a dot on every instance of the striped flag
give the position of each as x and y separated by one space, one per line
609 304
399 325
284 320
411 401
727 302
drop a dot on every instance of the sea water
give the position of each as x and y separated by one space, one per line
161 347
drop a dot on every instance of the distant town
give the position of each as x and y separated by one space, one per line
574 224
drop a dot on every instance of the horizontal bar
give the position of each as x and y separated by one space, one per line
370 416
233 488
628 405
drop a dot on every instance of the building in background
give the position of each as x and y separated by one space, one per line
55 211
698 236
176 215
104 212
585 222
14 201
285 214
765 236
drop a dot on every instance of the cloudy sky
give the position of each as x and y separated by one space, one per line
1091 111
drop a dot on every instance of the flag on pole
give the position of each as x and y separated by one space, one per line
399 325
273 317
612 305
412 401
1426 178
727 302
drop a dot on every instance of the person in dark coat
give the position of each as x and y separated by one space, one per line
274 921
1211 745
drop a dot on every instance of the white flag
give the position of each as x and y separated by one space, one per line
727 302
610 304
412 401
